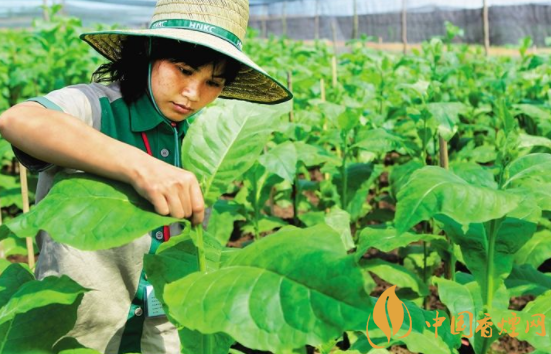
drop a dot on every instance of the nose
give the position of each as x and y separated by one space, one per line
192 90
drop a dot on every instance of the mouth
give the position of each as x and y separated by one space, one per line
182 109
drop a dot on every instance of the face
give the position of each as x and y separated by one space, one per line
181 90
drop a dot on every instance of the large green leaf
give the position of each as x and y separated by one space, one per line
533 111
474 174
4 264
339 220
533 166
532 312
288 289
381 141
281 160
312 155
387 240
195 342
540 190
400 174
446 115
12 279
529 141
434 191
536 251
511 233
526 280
421 339
361 177
14 246
396 274
69 345
466 297
89 213
178 258
224 214
49 305
225 141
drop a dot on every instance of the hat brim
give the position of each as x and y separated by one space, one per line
251 84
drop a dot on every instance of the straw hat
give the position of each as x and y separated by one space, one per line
217 24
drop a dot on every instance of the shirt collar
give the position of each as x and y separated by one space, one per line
144 117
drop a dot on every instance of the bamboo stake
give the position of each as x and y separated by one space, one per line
486 24
404 26
443 153
334 70
25 197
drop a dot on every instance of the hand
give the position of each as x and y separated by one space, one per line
172 190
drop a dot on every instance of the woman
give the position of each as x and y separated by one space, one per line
131 130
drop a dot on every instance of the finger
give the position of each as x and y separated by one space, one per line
159 203
175 205
185 201
197 204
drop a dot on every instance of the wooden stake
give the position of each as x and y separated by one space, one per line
443 153
322 89
334 70
486 24
404 26
25 197
290 86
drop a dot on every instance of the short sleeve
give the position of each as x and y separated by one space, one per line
76 101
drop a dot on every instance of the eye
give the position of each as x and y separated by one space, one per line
185 71
215 84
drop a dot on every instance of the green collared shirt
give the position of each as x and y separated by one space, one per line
110 319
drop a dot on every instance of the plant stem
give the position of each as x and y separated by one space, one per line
344 198
202 259
488 292
257 189
425 302
296 200
450 266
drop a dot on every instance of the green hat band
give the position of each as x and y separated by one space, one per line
200 27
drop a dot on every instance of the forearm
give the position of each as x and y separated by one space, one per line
63 140
58 138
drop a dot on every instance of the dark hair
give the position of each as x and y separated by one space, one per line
131 70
